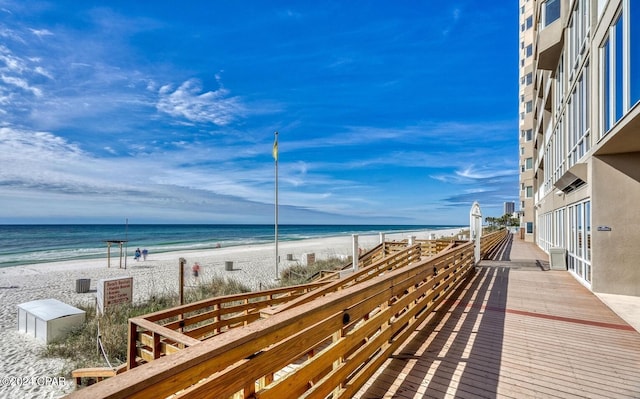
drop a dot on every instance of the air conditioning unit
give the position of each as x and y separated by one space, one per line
558 258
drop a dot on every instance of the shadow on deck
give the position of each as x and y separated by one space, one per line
515 330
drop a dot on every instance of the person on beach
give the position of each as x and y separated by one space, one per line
144 254
195 269
136 256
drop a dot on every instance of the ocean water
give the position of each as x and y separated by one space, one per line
31 244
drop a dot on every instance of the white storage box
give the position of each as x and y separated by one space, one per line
48 319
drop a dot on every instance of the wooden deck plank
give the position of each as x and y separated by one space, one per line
515 331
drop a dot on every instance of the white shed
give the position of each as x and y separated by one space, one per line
48 319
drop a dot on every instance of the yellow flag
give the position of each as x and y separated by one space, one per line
275 149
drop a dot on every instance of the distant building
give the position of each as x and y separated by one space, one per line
509 208
579 142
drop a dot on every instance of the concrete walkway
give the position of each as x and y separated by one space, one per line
516 330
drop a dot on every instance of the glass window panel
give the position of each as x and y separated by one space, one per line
619 42
587 217
607 86
634 50
551 11
579 230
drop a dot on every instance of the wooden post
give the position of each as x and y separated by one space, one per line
108 254
181 263
132 352
356 252
157 348
120 245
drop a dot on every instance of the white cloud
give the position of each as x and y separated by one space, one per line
41 71
10 34
13 64
54 173
189 102
474 173
21 83
41 32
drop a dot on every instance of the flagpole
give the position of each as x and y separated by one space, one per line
275 157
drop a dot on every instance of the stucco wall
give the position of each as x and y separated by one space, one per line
616 204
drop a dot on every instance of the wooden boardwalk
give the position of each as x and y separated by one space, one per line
516 330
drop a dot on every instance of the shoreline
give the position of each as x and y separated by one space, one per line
253 265
21 253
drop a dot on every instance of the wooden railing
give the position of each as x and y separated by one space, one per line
326 345
168 331
388 263
487 242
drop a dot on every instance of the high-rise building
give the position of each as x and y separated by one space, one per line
527 56
509 208
580 136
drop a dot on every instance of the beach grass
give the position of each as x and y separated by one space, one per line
301 274
80 347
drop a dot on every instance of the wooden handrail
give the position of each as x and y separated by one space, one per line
404 257
146 342
211 317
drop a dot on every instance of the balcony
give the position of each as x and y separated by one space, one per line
623 137
550 35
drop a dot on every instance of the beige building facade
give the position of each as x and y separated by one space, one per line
580 137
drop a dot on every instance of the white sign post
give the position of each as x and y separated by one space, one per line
114 291
475 229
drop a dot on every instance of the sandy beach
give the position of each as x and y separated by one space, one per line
25 373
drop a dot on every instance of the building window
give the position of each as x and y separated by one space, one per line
613 69
528 135
529 106
577 32
550 12
579 122
529 22
529 78
619 63
618 68
529 227
529 51
529 192
579 251
634 51
559 232
528 163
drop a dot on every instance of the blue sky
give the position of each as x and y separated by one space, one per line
164 112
